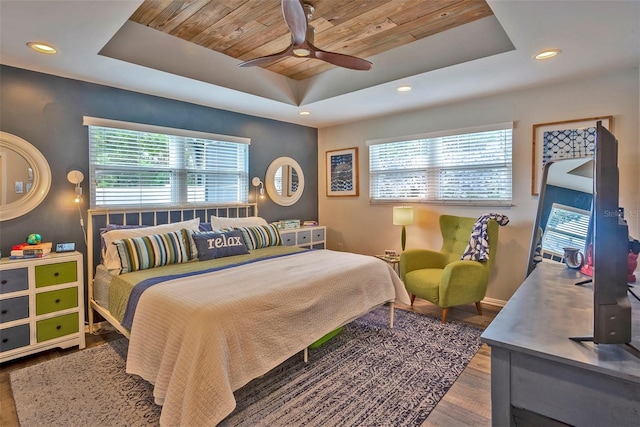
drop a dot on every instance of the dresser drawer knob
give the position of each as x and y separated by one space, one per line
58 327
58 301
5 340
4 282
56 274
4 312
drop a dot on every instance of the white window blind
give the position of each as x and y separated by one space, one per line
139 165
566 227
468 166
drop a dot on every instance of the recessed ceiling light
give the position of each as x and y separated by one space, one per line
304 113
404 88
42 47
546 54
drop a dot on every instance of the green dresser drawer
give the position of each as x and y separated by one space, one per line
48 302
56 274
57 327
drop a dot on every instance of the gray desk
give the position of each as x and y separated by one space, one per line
537 369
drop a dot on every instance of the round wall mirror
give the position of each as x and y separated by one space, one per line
25 177
284 181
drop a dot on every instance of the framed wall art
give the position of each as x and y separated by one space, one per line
342 172
563 140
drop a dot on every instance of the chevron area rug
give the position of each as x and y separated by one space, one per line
369 375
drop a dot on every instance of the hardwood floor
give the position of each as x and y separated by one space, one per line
467 403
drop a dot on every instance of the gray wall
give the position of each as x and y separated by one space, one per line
47 111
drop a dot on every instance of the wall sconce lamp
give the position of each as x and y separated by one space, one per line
403 215
76 177
257 182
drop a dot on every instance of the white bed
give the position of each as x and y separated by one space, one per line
199 338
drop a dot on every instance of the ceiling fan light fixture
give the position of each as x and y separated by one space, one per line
297 15
301 52
546 54
42 47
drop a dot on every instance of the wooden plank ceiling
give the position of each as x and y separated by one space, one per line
247 29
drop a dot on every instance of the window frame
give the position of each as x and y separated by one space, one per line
178 173
433 170
555 230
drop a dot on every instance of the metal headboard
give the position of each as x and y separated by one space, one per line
100 217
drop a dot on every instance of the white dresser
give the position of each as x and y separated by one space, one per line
305 237
41 304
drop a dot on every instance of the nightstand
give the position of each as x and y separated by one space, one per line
393 261
305 237
41 304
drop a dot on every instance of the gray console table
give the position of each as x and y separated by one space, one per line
538 373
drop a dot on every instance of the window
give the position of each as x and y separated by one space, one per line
467 166
142 165
566 228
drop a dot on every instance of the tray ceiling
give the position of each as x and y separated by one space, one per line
99 43
247 29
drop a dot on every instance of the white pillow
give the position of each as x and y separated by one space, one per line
219 223
111 259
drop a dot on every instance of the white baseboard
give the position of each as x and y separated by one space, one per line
493 301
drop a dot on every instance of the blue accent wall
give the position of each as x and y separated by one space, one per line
47 111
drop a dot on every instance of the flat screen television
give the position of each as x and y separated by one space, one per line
612 309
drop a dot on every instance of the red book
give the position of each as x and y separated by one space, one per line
43 245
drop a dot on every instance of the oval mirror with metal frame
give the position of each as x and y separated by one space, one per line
284 181
25 176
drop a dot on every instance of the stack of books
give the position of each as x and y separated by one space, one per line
25 250
310 223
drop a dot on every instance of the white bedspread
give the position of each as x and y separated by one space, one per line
200 338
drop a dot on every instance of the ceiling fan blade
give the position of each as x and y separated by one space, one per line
296 19
341 60
264 60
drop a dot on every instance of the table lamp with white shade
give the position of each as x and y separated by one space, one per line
403 215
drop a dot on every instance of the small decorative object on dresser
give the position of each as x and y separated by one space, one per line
31 250
41 304
34 239
285 224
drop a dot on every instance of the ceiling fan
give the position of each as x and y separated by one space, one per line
302 33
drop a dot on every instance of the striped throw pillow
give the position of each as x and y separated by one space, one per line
144 252
261 236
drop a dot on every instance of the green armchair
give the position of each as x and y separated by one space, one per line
441 277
